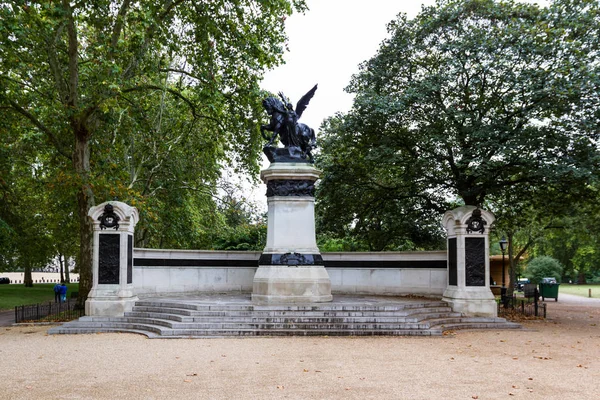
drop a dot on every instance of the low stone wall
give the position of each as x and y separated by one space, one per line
396 273
169 272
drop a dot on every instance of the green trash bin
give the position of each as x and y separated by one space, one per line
549 290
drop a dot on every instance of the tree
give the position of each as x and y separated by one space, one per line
542 267
469 100
80 73
575 243
26 217
360 196
242 226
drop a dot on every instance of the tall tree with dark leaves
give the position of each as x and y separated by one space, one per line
76 70
469 99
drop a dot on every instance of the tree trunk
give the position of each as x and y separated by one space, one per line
27 279
67 274
511 265
60 263
85 201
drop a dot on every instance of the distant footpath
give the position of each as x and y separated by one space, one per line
38 277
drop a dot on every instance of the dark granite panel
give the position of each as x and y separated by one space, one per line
244 263
475 261
452 260
290 259
130 259
291 187
109 254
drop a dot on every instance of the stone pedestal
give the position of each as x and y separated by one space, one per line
112 292
291 267
468 288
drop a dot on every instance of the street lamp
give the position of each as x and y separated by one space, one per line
503 245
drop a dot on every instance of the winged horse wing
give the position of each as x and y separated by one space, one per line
303 102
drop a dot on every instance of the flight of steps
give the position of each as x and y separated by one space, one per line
160 318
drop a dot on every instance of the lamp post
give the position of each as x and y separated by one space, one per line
503 244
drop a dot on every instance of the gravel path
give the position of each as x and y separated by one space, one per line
554 359
579 300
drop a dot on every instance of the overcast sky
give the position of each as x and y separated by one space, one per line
327 43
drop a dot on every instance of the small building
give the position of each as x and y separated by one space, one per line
496 273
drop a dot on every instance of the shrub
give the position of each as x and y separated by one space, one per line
542 267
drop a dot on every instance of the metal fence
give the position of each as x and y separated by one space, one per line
49 312
528 306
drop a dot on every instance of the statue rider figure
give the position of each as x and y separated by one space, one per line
291 122
297 138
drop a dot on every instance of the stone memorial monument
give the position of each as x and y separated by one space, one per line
112 290
291 267
468 288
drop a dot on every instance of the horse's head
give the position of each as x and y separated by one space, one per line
272 104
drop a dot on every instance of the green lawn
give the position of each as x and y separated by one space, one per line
19 295
580 290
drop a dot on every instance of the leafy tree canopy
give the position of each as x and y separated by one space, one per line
139 98
544 267
469 100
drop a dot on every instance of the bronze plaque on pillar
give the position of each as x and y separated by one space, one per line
475 261
129 258
452 274
108 258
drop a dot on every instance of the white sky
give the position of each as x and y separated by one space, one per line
327 44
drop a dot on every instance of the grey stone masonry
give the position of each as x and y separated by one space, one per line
112 292
223 316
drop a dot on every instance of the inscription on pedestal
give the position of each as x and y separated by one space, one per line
108 259
290 259
129 259
291 187
475 261
452 256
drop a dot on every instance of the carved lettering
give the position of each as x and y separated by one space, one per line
290 187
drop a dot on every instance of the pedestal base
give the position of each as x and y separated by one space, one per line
110 301
109 307
291 284
474 302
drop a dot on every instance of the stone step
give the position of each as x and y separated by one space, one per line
266 313
176 318
209 333
293 307
308 332
462 319
120 326
268 325
476 325
276 317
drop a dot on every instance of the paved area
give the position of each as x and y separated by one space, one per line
558 358
579 300
554 359
7 318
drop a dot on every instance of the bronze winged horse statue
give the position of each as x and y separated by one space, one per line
284 123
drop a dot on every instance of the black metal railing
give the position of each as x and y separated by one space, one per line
528 306
49 312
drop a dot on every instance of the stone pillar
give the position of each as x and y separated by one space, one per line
291 267
468 288
112 292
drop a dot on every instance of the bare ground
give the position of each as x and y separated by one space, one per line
553 359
